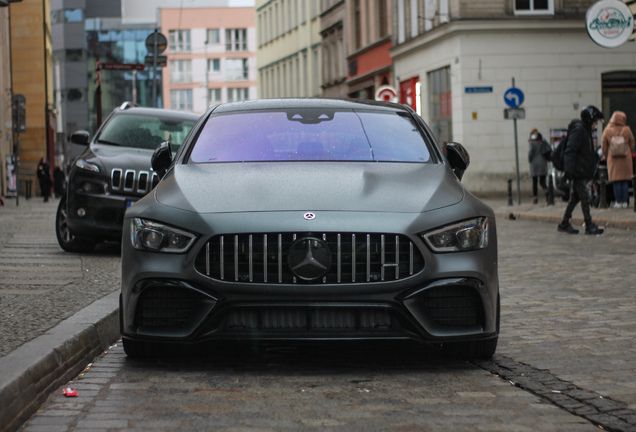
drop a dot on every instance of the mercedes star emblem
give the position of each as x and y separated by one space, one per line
309 216
309 258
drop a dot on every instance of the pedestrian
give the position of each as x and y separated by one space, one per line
59 182
617 145
44 178
538 154
581 162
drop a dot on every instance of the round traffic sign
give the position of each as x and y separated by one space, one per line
156 38
513 97
386 93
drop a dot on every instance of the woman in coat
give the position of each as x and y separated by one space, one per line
538 162
619 167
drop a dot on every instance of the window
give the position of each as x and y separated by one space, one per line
214 96
181 100
236 69
238 94
236 40
214 66
534 7
74 55
439 102
67 16
180 71
214 36
179 40
329 135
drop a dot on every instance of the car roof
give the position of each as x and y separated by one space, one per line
158 112
291 103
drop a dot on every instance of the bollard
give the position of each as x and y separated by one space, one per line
602 202
509 192
550 193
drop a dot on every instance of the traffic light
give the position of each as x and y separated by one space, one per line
19 119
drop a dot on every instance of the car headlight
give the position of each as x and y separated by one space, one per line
82 164
156 237
459 237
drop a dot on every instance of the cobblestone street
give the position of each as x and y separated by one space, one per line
566 359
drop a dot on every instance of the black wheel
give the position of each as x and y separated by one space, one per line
138 349
65 237
474 350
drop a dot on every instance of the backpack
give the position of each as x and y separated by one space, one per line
558 155
618 147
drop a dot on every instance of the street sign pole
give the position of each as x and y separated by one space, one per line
154 71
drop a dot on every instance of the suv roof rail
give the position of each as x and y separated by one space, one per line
128 104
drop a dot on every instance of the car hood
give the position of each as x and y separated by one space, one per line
112 157
309 186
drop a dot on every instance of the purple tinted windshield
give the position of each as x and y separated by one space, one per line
313 135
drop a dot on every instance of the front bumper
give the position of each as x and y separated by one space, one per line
454 298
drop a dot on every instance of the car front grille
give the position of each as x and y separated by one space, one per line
310 319
132 181
325 258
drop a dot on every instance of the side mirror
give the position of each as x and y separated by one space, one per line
458 158
80 137
161 159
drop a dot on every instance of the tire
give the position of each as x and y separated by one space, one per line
138 349
65 237
474 350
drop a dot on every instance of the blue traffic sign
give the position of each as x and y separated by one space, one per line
513 97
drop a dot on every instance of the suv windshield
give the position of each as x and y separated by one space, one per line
310 134
144 132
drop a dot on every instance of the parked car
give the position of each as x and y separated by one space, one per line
310 219
113 172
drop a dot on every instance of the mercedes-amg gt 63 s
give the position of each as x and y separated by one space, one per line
310 219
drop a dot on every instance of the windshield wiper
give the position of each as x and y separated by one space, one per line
100 141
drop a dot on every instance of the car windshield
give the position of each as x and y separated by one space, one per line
144 132
310 135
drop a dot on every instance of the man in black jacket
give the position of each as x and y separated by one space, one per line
581 161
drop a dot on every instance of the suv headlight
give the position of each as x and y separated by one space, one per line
463 236
82 164
156 237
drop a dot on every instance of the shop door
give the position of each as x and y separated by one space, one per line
619 94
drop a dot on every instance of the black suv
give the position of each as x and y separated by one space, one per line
113 172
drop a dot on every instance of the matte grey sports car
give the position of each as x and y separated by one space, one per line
310 219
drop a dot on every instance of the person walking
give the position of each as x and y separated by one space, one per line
617 145
581 162
44 178
537 150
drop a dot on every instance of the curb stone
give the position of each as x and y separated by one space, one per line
33 371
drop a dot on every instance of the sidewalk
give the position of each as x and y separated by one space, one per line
29 372
56 313
608 217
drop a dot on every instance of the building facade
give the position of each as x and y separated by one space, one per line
7 174
369 63
31 76
289 48
211 57
459 58
333 31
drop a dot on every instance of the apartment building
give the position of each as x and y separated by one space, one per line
289 48
31 76
333 25
211 56
369 62
454 61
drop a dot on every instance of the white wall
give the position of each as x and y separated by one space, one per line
559 73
